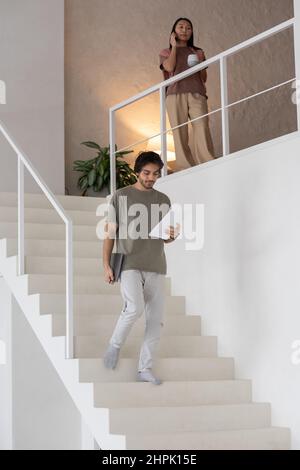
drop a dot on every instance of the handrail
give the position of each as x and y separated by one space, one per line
23 161
161 87
234 103
198 67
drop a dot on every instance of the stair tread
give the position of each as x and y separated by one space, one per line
171 383
49 209
269 438
140 409
53 241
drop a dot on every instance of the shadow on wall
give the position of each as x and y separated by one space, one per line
2 92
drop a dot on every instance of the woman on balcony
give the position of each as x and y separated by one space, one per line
186 98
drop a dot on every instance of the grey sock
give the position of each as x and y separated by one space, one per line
111 356
147 376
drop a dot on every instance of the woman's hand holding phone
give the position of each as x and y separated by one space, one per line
173 39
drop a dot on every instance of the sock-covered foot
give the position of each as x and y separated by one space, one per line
111 357
147 376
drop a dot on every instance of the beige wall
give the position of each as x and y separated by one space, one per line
32 67
112 51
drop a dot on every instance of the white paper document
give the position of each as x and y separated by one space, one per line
172 217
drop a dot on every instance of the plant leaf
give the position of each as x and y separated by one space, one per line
92 145
124 152
92 177
99 182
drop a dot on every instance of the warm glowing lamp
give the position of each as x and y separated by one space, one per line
155 145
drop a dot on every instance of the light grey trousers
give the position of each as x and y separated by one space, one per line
141 291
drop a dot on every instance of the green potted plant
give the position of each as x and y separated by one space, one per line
96 171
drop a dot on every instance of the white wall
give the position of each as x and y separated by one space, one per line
245 281
32 67
44 415
36 411
6 433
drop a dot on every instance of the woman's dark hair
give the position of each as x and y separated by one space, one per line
190 42
147 157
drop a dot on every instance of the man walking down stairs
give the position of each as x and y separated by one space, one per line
144 266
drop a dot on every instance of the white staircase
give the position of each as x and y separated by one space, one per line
200 405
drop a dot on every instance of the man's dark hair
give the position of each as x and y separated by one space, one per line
147 157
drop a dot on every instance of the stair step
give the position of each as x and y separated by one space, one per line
104 325
86 304
268 438
57 265
169 346
56 283
49 216
10 199
169 369
57 248
139 394
45 231
189 418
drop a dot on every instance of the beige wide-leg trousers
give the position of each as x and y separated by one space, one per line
180 108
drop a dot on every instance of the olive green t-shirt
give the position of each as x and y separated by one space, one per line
136 213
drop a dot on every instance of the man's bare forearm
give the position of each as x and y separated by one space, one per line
108 245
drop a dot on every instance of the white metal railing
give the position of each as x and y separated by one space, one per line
161 87
23 161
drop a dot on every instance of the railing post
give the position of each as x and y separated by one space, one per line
163 135
69 292
21 241
224 103
297 55
112 143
